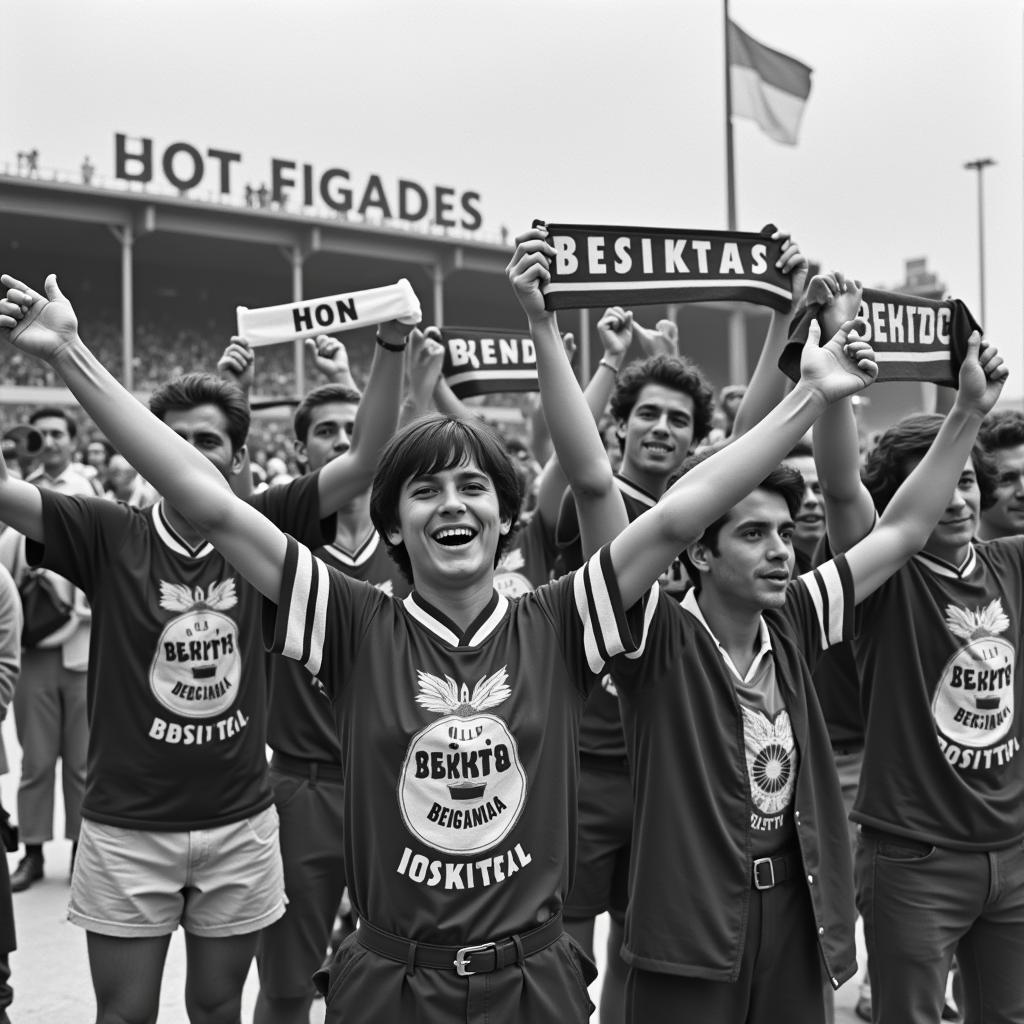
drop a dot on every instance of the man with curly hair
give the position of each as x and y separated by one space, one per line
1002 434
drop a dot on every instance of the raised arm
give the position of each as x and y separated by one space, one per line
849 510
46 327
237 364
710 489
915 509
423 362
768 383
347 476
570 420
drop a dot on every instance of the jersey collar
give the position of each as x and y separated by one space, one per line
360 556
638 493
947 569
441 626
689 602
170 536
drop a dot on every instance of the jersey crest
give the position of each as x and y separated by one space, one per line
197 664
462 786
973 706
769 752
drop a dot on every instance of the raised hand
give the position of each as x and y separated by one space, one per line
38 325
529 270
238 363
982 376
425 359
839 298
615 329
792 261
330 357
569 344
840 368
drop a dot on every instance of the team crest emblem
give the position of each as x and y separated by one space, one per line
462 786
973 704
509 580
769 751
197 666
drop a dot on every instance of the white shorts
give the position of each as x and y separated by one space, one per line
214 882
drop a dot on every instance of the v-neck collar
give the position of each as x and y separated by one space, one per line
943 568
360 555
479 630
173 539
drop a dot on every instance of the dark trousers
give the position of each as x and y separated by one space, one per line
780 975
549 987
921 904
7 937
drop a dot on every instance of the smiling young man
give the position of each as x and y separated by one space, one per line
178 822
809 521
1002 434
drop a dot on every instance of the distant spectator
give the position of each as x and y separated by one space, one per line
32 162
250 195
125 484
263 197
724 415
97 460
88 170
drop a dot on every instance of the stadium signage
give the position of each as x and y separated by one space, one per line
185 167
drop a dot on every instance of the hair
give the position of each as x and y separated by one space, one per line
430 445
108 448
55 412
317 397
1003 429
183 393
888 464
784 481
675 372
801 450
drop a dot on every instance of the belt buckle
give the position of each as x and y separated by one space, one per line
758 865
462 958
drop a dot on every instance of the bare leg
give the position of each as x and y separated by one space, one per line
215 976
126 977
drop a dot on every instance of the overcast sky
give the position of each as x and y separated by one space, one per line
588 111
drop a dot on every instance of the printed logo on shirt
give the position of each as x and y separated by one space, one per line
197 664
609 687
973 706
508 580
386 587
462 786
771 767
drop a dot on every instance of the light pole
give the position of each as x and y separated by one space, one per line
979 166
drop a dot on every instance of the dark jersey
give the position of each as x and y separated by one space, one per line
695 813
942 693
459 748
601 728
301 720
529 562
835 678
177 682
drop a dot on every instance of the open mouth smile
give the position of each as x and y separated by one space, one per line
454 536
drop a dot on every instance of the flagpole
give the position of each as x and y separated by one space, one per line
729 169
737 325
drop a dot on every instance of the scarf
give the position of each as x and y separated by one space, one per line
622 266
913 338
478 362
331 315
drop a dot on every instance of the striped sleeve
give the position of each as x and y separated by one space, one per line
608 628
830 588
295 627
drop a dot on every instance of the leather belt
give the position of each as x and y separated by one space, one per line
311 770
478 958
769 872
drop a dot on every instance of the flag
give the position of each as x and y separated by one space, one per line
769 87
